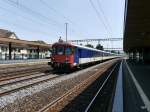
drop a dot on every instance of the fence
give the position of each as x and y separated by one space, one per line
5 56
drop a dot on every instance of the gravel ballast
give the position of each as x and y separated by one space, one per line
35 97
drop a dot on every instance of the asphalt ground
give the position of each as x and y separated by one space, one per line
133 98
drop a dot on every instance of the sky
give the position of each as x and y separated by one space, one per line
45 19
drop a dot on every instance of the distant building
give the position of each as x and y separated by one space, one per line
8 34
20 51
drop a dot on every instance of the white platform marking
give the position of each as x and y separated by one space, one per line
140 90
118 99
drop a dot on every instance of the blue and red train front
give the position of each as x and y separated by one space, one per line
62 56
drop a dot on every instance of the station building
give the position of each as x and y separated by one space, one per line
13 48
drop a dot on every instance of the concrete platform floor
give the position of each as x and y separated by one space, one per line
136 87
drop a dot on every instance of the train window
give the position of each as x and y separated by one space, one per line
72 50
54 51
60 50
68 51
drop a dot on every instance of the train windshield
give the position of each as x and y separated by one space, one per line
68 51
62 50
58 50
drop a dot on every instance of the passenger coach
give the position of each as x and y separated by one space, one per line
66 55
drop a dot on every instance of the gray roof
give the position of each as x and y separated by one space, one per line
6 33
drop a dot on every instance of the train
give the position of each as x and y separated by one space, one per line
66 56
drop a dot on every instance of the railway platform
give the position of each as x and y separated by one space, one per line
136 87
117 86
21 62
132 92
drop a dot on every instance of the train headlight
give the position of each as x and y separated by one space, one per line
66 61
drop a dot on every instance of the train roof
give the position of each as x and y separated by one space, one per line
79 46
84 47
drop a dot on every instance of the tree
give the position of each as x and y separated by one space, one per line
113 51
118 52
39 41
99 47
80 44
89 45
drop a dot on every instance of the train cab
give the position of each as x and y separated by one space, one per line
66 56
62 55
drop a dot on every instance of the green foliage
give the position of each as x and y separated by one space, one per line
99 47
39 41
89 45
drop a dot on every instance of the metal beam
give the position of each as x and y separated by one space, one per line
23 42
10 50
136 25
104 39
38 52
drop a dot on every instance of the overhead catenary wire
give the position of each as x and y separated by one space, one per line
59 13
26 18
33 17
99 17
67 19
105 18
33 13
40 17
25 27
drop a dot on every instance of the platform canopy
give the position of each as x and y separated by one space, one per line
136 25
23 43
8 37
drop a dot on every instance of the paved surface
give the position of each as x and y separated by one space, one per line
118 98
136 89
23 61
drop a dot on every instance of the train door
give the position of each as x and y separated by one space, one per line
76 55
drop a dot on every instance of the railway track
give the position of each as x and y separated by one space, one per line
22 73
8 70
16 78
102 99
65 99
7 87
23 64
20 80
41 89
98 96
24 77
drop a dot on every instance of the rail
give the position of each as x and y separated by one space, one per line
60 101
90 104
5 62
